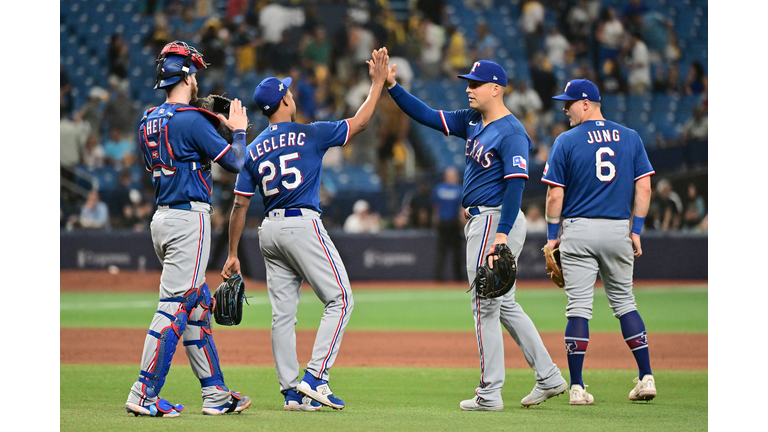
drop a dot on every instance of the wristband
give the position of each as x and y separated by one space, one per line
553 220
552 231
637 224
237 131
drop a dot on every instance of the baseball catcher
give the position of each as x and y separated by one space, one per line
219 104
553 265
229 296
492 282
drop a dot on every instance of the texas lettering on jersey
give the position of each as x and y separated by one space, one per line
476 151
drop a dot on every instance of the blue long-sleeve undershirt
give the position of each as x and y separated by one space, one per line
415 108
234 159
510 206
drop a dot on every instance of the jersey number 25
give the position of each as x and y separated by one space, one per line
271 173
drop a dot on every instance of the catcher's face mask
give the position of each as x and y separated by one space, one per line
176 61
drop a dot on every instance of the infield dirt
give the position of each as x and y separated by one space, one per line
360 348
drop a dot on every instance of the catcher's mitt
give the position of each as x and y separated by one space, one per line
219 104
228 301
554 268
497 281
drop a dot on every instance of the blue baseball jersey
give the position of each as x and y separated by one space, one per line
447 197
494 153
597 163
284 163
177 140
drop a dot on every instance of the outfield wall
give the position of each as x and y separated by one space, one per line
396 255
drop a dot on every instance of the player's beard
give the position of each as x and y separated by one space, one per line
193 92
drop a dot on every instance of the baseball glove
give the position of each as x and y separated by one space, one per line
554 268
219 104
228 305
497 281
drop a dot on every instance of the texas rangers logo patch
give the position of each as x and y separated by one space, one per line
155 154
519 161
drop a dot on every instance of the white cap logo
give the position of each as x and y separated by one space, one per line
280 87
494 77
266 107
584 95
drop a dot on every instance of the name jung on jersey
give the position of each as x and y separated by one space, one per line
600 136
289 139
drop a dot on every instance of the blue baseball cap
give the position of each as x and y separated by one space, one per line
579 89
269 92
487 71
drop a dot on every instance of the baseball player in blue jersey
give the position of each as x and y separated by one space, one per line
284 165
592 172
496 150
179 142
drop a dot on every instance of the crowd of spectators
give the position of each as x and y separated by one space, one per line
629 51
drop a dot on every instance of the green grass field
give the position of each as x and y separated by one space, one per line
382 399
395 399
664 309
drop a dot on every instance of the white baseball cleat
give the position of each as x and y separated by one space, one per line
538 395
579 395
645 389
474 405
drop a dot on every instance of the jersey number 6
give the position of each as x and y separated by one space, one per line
284 171
601 165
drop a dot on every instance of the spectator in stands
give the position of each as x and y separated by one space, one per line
303 89
535 219
455 58
392 131
612 80
579 21
523 100
485 43
667 79
638 62
187 27
361 40
66 104
160 33
119 202
609 35
420 204
695 130
670 206
283 55
449 219
119 150
632 15
696 80
72 138
121 113
362 220
695 209
544 82
214 41
655 29
245 40
93 155
94 213
315 48
532 14
119 58
557 47
92 111
432 37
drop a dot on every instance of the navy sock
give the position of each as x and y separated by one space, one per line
576 341
633 330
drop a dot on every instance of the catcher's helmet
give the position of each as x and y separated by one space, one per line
175 62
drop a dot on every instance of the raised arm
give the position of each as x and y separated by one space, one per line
378 68
411 105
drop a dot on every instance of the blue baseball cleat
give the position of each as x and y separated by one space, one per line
319 390
160 408
297 402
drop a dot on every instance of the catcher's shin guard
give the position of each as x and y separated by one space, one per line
154 371
201 350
